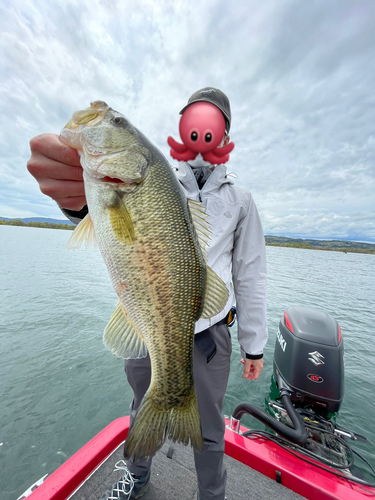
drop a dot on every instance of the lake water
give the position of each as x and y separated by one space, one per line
59 386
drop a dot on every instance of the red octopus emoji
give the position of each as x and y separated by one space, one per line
202 128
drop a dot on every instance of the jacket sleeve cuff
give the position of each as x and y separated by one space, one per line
254 356
75 216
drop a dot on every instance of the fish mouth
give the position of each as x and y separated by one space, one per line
113 180
125 185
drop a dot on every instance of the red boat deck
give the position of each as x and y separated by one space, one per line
252 465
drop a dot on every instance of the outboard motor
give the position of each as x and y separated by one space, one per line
309 373
309 359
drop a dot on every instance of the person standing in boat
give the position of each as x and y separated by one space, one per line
236 253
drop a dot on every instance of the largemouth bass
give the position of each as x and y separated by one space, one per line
153 242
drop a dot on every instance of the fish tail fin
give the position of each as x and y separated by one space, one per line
184 423
152 426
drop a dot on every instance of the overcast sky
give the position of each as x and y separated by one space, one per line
300 76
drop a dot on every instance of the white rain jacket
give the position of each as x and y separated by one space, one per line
236 253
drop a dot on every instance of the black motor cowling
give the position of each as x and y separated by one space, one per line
308 360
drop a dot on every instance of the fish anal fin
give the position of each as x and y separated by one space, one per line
83 233
121 336
216 295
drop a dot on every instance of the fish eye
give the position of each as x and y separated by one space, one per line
194 136
119 120
208 137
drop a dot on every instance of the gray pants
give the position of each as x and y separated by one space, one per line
211 381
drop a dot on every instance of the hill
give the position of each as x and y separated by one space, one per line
42 222
331 245
40 219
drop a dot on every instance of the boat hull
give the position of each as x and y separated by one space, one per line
258 453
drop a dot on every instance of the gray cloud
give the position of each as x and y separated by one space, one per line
300 77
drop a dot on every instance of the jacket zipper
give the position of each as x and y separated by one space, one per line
200 190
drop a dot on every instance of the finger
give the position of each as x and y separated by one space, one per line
247 371
62 188
49 145
255 374
73 203
42 168
255 371
242 361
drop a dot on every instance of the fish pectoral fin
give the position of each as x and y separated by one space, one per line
121 221
216 295
121 336
84 232
201 225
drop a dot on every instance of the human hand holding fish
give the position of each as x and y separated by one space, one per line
58 171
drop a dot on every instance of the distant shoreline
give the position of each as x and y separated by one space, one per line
327 245
45 225
273 241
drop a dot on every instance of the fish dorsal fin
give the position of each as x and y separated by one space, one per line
121 336
84 232
216 295
201 225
